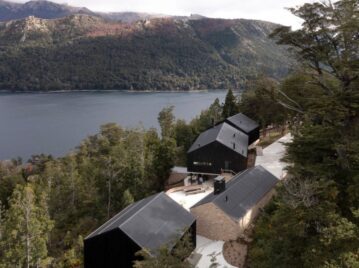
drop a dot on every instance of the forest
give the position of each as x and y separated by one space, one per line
49 205
82 52
314 219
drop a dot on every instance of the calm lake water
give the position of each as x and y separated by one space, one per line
55 123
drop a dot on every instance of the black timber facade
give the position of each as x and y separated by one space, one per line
214 158
246 125
219 148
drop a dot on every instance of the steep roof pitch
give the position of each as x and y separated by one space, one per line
224 134
242 122
242 192
151 222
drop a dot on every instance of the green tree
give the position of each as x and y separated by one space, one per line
166 120
230 106
72 256
163 161
215 111
127 198
327 41
313 222
26 230
260 103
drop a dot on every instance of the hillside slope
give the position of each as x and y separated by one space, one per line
38 8
49 10
88 52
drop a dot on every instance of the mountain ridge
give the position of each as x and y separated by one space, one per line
38 8
50 10
82 51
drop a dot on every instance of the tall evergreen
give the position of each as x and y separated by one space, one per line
230 106
314 220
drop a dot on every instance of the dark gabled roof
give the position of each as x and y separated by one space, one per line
224 134
242 122
242 192
151 222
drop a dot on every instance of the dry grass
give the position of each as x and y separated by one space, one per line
235 252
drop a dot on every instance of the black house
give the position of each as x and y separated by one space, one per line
149 223
246 125
222 147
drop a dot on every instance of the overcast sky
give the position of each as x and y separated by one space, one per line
269 10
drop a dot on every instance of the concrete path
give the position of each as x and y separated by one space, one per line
272 155
210 249
187 201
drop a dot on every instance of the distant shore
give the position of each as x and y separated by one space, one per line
54 123
114 90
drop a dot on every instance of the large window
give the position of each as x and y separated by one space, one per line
202 163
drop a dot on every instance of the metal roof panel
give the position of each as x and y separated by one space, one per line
242 192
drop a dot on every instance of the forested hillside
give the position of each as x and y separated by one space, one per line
50 10
42 9
48 205
87 52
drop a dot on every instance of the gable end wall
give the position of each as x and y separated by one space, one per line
214 224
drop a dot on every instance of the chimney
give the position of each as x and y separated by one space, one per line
219 185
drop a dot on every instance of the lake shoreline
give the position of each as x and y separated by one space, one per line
54 123
2 91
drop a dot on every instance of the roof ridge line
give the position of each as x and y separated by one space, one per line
141 208
219 132
240 132
248 194
164 224
112 219
245 171
254 190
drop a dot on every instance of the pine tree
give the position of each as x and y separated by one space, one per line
215 111
230 106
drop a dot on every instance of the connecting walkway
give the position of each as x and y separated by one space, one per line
272 155
209 253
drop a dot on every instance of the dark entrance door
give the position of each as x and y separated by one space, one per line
226 165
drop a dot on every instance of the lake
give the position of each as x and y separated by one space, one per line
55 123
